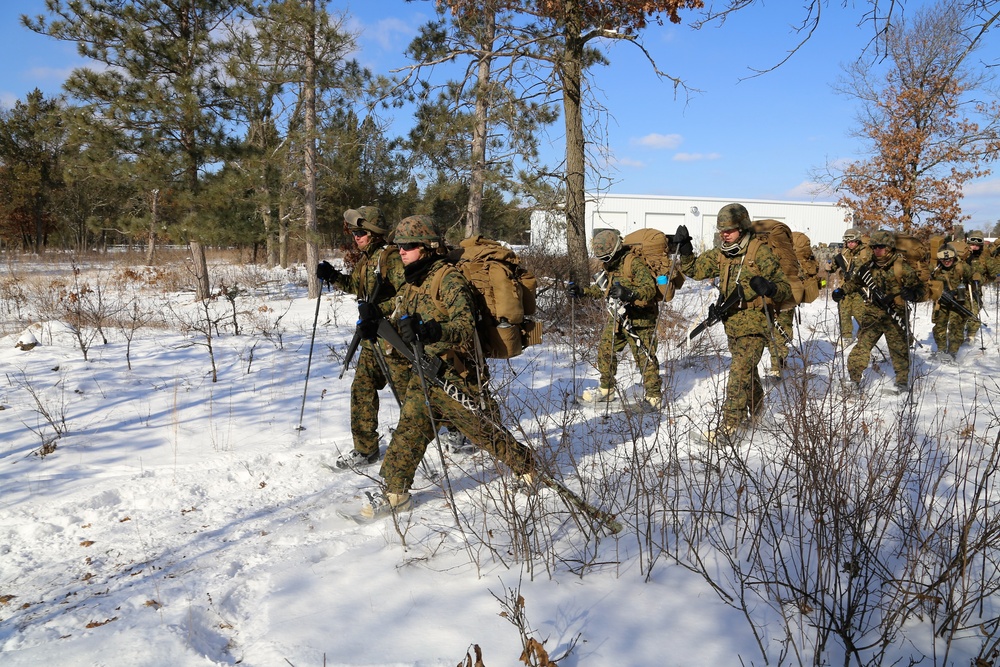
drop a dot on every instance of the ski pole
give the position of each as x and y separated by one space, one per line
312 340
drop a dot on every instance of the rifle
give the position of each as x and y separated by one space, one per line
875 296
842 265
719 310
948 301
618 311
429 369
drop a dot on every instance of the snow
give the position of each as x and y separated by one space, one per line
173 520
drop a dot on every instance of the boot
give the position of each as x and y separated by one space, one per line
599 394
381 504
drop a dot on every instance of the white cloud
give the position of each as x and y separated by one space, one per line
659 141
696 157
982 188
391 33
629 162
810 190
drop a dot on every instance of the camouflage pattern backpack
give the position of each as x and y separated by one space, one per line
653 247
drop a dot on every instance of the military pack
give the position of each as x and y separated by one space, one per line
808 267
917 254
653 247
778 236
504 295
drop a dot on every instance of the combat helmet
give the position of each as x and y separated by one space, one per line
733 216
606 244
418 229
975 237
368 218
946 252
883 237
852 234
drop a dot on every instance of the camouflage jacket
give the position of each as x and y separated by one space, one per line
750 318
854 259
375 262
984 267
633 273
959 277
453 308
884 277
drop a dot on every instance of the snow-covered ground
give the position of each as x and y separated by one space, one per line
151 516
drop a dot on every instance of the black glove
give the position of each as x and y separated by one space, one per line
763 286
574 291
368 319
413 329
911 294
838 294
326 272
682 241
622 293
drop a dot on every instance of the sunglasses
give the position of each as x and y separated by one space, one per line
358 233
410 246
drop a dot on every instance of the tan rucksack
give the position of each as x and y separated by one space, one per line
808 267
504 292
917 254
652 246
778 236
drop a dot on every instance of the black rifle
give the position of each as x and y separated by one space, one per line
948 301
719 310
429 368
842 265
873 295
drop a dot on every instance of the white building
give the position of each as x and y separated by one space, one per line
822 222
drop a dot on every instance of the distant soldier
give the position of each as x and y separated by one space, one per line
375 280
744 266
949 319
884 313
854 255
630 288
984 271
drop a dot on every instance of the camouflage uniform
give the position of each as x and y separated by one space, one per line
747 327
641 314
949 325
369 379
781 338
853 305
453 310
984 271
876 323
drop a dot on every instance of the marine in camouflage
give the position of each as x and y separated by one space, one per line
984 271
377 258
747 329
856 254
876 323
950 325
452 308
634 274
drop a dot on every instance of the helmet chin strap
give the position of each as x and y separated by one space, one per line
734 249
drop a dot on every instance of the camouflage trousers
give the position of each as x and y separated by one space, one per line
872 329
850 309
972 324
781 337
744 393
368 381
414 432
949 330
612 343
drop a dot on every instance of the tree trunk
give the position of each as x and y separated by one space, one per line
154 211
477 179
312 252
282 237
203 288
575 181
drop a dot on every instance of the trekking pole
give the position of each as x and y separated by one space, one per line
312 340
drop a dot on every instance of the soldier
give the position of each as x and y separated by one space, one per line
949 322
433 313
854 255
884 313
984 270
628 284
747 264
376 278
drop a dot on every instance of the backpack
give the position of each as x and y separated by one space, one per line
652 246
808 267
504 296
917 254
778 237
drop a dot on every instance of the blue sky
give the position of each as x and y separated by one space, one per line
742 137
